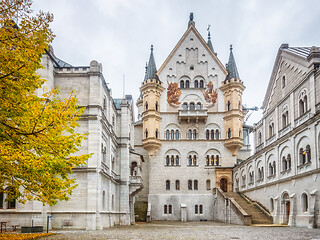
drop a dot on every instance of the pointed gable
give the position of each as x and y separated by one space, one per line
192 29
291 65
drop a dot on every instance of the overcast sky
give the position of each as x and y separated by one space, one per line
118 34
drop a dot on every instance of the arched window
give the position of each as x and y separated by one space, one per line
198 106
189 184
208 184
194 160
194 134
190 160
270 169
271 205
217 134
172 134
184 106
201 84
274 167
200 209
146 133
212 160
304 199
167 134
168 185
177 160
157 133
170 209
308 153
165 209
217 160
190 134
172 160
207 134
284 163
167 160
212 134
196 209
196 84
195 182
228 106
157 106
302 156
285 119
259 138
187 84
177 134
177 185
283 81
181 84
12 200
289 161
146 106
271 129
192 107
229 133
207 160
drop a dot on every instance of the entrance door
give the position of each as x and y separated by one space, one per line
224 184
287 211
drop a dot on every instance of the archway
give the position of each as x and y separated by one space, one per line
224 184
286 207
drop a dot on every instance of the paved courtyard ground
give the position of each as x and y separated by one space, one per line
191 230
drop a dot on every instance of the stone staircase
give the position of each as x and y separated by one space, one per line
257 215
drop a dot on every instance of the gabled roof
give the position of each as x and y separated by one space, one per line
300 52
192 28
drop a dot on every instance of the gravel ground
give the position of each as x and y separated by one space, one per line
191 230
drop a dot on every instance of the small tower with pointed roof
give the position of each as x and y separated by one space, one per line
232 88
151 90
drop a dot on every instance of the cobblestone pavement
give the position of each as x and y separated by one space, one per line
191 230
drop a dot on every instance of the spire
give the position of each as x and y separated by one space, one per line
232 67
145 74
191 22
151 70
209 43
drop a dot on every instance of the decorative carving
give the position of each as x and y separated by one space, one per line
173 94
209 94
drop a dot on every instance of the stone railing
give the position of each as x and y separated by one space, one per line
285 130
259 147
193 114
271 140
135 179
302 118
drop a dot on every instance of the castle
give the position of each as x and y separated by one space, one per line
188 156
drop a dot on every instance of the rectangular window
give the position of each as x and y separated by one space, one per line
170 209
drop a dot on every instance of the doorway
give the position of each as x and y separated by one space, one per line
224 184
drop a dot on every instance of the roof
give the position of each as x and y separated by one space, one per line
209 42
300 51
60 63
117 103
151 71
232 67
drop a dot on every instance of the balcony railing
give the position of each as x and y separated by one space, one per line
200 114
302 118
285 130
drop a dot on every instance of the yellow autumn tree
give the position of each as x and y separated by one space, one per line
38 142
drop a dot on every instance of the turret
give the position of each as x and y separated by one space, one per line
232 88
151 90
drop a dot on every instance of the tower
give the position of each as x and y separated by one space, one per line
232 88
151 90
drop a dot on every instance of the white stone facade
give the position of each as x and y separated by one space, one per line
283 174
174 188
104 196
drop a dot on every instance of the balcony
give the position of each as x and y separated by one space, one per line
193 115
285 130
302 118
135 184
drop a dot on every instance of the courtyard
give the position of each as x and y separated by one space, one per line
191 230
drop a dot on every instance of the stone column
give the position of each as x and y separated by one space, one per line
313 209
276 216
293 210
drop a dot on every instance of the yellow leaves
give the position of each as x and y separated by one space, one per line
38 141
23 236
